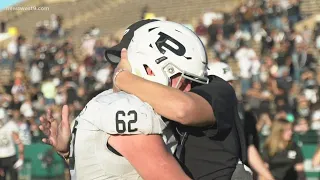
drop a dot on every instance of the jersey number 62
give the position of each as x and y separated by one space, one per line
121 125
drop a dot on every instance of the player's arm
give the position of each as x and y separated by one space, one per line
184 107
20 145
147 153
257 163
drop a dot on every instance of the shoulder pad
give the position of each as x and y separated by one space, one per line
122 113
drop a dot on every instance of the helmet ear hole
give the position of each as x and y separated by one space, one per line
148 70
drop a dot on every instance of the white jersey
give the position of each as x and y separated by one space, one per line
7 145
106 114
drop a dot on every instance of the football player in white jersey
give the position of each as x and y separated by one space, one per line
160 51
9 136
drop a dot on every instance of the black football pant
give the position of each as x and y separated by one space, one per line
6 164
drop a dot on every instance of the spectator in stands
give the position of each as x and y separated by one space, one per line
246 16
94 31
9 137
5 98
267 42
103 75
283 156
88 45
232 43
24 130
264 125
302 60
35 74
144 11
220 49
54 25
68 48
19 84
99 49
228 27
303 108
48 90
12 47
268 70
307 34
26 108
89 81
213 30
273 15
202 32
258 99
293 12
283 83
301 126
5 60
257 19
309 87
245 57
241 34
71 95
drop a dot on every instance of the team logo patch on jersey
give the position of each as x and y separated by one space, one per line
292 154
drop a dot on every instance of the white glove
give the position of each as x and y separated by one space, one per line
18 164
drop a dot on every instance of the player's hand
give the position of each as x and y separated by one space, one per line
18 164
124 65
58 133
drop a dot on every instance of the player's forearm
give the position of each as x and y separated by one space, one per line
257 163
185 108
166 101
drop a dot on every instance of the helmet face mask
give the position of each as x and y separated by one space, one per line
168 49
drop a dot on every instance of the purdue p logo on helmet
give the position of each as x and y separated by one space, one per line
168 49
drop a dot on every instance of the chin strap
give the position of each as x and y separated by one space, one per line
176 86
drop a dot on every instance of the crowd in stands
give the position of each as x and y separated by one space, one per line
47 74
279 81
50 28
280 78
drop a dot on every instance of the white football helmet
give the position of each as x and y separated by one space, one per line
222 70
167 48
